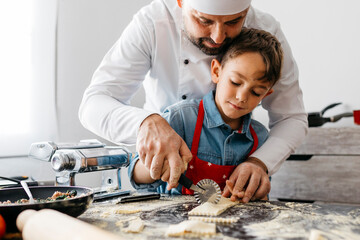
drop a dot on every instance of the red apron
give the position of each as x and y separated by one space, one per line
199 169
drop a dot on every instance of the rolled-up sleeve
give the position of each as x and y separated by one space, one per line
147 186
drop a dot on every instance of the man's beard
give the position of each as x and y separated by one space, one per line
199 43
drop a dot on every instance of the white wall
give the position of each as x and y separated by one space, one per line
324 36
86 31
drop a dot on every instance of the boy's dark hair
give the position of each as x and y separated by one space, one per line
255 40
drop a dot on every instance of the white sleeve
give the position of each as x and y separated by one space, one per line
288 119
105 108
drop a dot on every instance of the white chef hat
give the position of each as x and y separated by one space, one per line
219 7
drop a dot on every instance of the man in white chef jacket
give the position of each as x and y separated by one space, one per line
168 47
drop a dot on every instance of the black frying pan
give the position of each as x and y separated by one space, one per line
73 207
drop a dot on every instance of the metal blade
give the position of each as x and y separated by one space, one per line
212 192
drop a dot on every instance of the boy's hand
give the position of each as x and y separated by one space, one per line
162 150
249 181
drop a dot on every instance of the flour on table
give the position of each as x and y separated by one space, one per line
298 217
191 228
212 209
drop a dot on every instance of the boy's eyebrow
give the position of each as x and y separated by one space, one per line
263 87
260 86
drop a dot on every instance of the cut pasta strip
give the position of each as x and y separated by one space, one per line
191 228
211 209
214 219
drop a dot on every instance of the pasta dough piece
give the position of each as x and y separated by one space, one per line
191 228
212 209
317 235
126 211
215 219
105 214
135 226
121 223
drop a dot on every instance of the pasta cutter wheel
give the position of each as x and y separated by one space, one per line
211 194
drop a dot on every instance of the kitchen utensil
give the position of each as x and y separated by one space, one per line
357 117
212 193
140 197
45 150
103 196
20 177
68 162
28 192
316 119
205 190
73 206
11 182
70 159
48 224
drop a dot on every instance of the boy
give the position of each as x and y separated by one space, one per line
218 129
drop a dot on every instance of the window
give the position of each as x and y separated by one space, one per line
27 74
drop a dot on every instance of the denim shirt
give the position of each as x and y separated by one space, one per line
219 144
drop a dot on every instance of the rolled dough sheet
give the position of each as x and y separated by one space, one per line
211 209
191 228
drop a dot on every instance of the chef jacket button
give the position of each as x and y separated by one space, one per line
183 97
186 61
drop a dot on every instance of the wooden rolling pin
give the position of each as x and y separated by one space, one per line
50 224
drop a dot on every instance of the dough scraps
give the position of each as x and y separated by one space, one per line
212 209
191 228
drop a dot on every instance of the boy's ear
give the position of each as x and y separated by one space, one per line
215 68
269 92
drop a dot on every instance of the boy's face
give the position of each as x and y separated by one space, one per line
239 86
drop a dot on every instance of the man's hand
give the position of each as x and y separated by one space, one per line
162 150
249 181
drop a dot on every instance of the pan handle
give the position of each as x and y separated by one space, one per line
10 179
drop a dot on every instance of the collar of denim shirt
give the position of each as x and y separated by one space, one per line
213 117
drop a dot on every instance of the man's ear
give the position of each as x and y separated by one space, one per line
269 92
215 68
179 3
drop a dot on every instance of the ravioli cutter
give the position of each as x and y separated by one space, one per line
206 190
